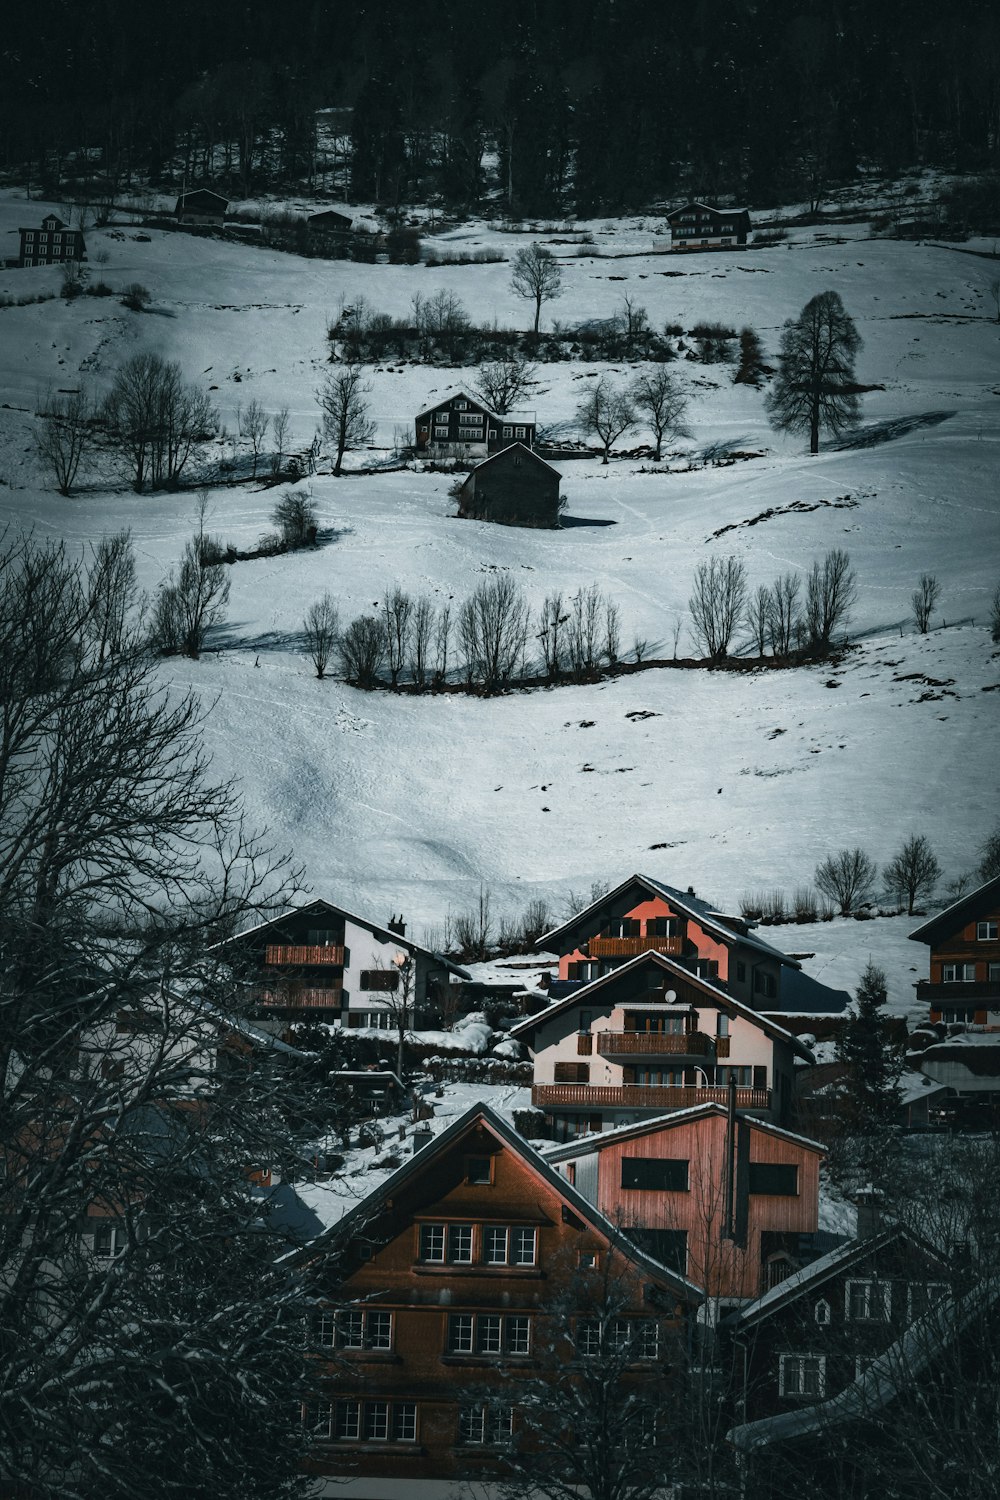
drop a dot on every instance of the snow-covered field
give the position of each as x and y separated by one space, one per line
729 783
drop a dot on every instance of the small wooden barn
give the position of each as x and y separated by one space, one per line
514 488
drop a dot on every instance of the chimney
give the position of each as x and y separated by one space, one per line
868 1201
397 925
690 890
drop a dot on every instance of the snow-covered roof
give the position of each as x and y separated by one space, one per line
685 901
586 993
957 913
598 1140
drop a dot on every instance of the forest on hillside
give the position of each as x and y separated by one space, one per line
541 106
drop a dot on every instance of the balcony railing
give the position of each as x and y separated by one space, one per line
305 953
630 947
638 1096
299 997
653 1044
959 990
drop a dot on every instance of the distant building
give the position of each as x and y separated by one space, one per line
514 487
201 206
964 939
52 244
329 221
459 426
699 226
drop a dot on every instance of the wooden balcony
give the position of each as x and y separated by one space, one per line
302 954
631 947
588 1096
299 997
654 1044
960 991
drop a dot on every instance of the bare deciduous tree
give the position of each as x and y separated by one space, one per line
831 592
321 629
493 631
157 420
583 635
784 613
661 401
442 642
536 277
420 639
397 613
758 617
279 433
252 422
716 604
65 437
848 878
502 383
112 595
362 650
296 518
550 635
913 872
186 609
346 423
607 411
923 600
474 928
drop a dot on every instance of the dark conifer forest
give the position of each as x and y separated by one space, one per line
543 106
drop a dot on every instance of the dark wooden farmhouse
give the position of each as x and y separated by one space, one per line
515 488
201 206
964 939
699 226
473 1271
329 221
459 426
52 244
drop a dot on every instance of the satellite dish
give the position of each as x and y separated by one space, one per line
671 995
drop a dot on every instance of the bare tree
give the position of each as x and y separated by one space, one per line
847 878
321 628
296 518
815 385
612 631
923 600
493 630
784 613
913 872
831 592
279 434
535 275
362 650
112 595
157 420
420 639
397 613
442 642
346 423
608 411
502 383
583 635
757 617
716 604
633 321
660 400
988 867
65 437
252 422
186 609
474 928
550 635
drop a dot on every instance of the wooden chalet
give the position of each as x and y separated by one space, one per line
460 426
320 962
652 1036
53 243
964 939
454 1280
329 221
514 488
729 1200
699 226
201 206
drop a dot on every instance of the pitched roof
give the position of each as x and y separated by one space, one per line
585 1145
713 994
504 453
958 913
684 901
710 207
376 928
482 1114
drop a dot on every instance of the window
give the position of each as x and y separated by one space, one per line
659 1078
668 1246
823 1313
373 1422
460 1244
432 1243
571 1072
362 1328
495 1245
661 927
508 432
802 1375
318 1419
109 1240
519 432
922 1295
867 1301
479 1169
743 1076
722 1024
993 971
379 979
322 937
324 1326
460 405
741 971
958 973
764 984
633 1338
488 1333
986 932
348 1420
525 1247
774 1180
655 1174
588 1338
484 1424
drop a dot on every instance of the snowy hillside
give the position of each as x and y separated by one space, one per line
730 783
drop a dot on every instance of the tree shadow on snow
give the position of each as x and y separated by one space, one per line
885 432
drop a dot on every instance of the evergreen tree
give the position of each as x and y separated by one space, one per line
871 1092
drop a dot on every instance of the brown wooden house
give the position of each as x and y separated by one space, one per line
443 1289
201 206
53 243
699 226
460 426
729 1200
514 488
964 939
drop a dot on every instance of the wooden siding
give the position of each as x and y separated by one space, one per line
639 1096
653 1044
630 947
304 953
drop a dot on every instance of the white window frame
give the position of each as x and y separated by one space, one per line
823 1313
986 932
496 1244
461 1244
958 973
524 1246
433 1239
930 1292
875 1292
792 1372
118 1240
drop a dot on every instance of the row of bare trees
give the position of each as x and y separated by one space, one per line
777 616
